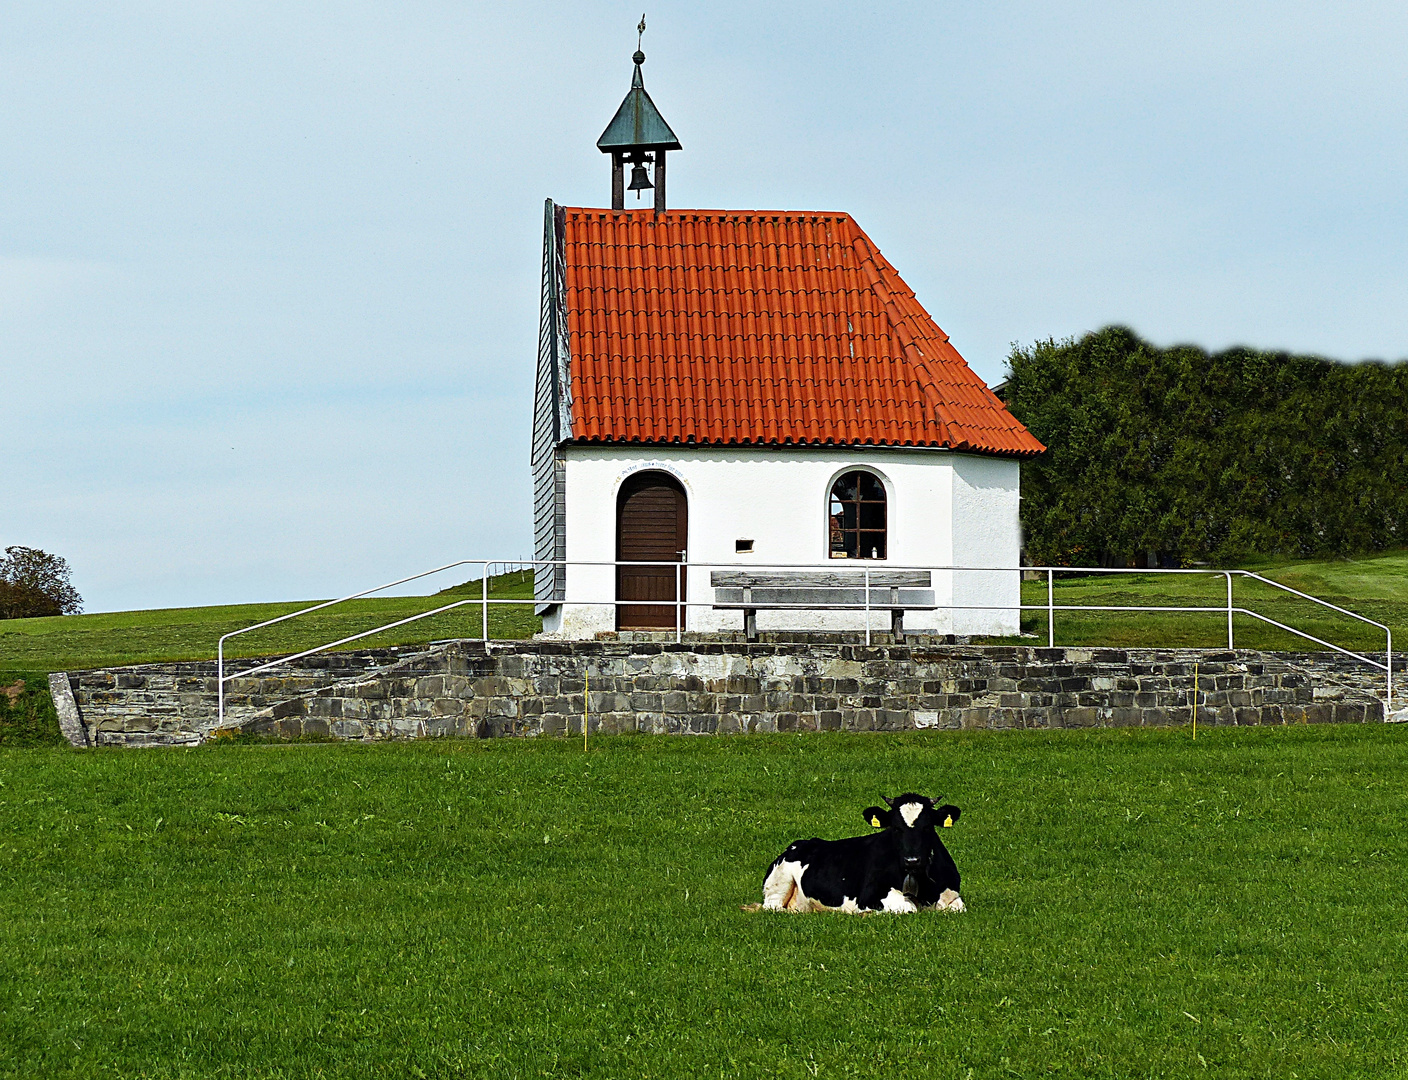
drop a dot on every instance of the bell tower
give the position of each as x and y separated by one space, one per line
637 136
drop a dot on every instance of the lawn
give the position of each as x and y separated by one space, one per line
1376 587
1140 904
78 642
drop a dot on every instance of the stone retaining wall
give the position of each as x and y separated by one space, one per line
178 704
536 688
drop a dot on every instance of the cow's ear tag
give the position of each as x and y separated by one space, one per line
875 820
948 822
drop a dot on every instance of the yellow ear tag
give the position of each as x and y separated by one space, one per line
874 820
948 822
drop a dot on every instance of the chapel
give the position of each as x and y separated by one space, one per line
724 389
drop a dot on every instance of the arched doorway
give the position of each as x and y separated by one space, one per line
652 525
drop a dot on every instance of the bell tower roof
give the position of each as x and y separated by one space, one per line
637 124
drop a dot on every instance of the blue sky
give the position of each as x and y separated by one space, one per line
269 272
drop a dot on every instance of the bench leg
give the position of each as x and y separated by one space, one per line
897 625
750 624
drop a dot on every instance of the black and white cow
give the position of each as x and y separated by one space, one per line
904 867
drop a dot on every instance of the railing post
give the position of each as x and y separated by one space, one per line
1230 646
1388 662
484 590
1050 608
220 678
678 633
867 605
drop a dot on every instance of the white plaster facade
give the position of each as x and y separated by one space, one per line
945 509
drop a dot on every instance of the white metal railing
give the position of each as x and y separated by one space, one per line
682 604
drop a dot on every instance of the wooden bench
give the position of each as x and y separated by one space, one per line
895 591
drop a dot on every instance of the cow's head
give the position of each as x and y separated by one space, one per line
912 819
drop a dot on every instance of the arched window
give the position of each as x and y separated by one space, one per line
858 517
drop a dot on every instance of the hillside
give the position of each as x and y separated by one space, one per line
1376 587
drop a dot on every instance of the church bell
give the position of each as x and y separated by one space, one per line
640 180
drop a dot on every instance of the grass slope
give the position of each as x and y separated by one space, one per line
1139 905
77 642
1376 587
27 714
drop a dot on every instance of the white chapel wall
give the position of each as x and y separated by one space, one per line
939 508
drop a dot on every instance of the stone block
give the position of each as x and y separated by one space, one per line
1126 716
894 720
615 723
971 718
1080 717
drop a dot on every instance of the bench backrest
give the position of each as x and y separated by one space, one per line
818 579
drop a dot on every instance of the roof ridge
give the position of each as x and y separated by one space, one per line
927 382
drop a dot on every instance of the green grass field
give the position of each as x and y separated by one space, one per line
1373 587
1139 905
1376 587
78 642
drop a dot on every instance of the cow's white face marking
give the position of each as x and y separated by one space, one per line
910 811
897 903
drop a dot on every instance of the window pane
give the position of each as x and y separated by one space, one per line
845 488
872 515
872 545
870 487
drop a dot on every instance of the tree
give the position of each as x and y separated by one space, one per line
34 583
1180 455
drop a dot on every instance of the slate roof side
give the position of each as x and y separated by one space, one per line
738 328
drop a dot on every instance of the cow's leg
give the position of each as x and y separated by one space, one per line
782 888
949 901
897 903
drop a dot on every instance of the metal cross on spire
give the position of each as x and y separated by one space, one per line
640 31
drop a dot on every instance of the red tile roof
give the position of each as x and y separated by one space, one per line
719 327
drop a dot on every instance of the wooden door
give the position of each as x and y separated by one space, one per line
652 525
